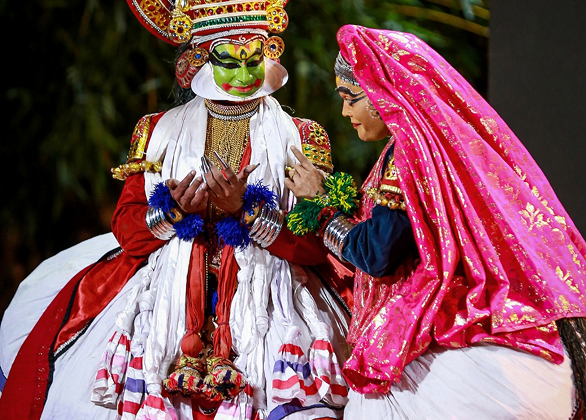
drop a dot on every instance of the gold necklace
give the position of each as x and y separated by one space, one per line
228 134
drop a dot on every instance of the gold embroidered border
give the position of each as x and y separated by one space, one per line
319 156
139 139
124 171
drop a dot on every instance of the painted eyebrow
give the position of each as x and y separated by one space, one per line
256 52
225 54
347 91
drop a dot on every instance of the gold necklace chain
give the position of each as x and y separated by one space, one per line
227 137
232 112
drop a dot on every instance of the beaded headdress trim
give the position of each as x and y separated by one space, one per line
344 71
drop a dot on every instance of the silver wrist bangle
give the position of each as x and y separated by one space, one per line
267 226
335 233
158 224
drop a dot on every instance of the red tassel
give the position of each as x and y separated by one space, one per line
223 381
187 378
191 344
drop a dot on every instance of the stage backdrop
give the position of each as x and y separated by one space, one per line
537 83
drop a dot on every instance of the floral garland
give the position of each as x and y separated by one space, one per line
230 230
311 215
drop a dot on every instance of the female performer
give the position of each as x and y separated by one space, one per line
468 268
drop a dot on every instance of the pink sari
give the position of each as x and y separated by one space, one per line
501 260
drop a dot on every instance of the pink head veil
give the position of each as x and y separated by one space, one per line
500 258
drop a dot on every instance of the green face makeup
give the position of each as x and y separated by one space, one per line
239 69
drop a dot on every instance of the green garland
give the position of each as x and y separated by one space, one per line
308 214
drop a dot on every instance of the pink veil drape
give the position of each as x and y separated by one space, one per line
501 260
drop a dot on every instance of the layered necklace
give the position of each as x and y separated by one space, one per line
228 133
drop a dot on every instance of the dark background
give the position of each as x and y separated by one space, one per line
537 83
78 76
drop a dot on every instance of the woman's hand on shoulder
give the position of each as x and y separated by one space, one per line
304 179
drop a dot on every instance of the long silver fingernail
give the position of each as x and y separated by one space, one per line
222 161
209 163
203 182
205 166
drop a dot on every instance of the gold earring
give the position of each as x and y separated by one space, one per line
274 47
198 56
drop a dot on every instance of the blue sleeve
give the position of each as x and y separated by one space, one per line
379 245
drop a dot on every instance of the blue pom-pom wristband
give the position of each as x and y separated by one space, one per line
189 227
161 198
256 194
235 232
232 232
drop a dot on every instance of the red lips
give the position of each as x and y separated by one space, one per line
227 86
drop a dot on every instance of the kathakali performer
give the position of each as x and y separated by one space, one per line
204 306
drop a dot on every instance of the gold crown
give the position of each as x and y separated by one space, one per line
197 18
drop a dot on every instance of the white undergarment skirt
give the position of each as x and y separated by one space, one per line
39 289
483 382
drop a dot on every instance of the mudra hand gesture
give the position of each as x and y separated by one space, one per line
190 193
304 179
225 187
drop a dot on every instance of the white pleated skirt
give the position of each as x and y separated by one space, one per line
483 382
477 383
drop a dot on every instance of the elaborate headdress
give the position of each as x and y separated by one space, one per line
343 70
207 23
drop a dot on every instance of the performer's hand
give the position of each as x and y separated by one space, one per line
191 194
304 179
226 188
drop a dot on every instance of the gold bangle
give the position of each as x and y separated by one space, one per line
174 215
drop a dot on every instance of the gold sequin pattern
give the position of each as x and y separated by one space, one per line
319 156
124 171
139 139
155 13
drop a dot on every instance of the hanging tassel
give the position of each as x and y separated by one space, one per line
134 390
239 408
292 377
331 385
187 378
109 380
223 381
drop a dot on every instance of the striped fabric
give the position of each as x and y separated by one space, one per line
134 390
239 408
292 376
153 408
296 411
331 385
112 371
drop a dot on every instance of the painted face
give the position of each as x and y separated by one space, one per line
239 69
362 114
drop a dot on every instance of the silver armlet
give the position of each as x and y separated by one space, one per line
267 226
158 224
335 234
